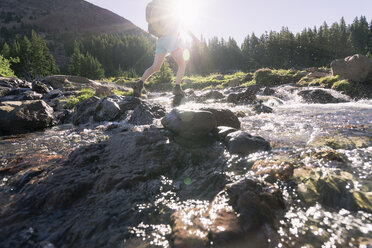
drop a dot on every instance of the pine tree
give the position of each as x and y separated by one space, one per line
5 69
6 51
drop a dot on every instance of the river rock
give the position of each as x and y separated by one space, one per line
248 96
40 87
4 91
14 83
106 110
32 95
333 188
85 110
357 68
318 96
212 94
233 219
234 82
222 132
22 117
243 143
224 117
273 170
190 124
261 108
70 83
104 90
347 141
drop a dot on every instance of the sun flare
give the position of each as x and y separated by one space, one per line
187 11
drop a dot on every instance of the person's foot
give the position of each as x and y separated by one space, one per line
177 90
137 88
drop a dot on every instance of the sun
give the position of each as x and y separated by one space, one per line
187 11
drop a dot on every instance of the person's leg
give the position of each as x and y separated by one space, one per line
158 62
178 57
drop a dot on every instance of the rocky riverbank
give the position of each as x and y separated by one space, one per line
245 166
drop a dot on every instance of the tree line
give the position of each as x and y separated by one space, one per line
111 55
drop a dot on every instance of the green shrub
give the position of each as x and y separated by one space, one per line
5 68
83 95
165 75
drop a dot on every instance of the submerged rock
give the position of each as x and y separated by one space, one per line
274 169
27 116
346 141
235 218
190 124
333 188
243 143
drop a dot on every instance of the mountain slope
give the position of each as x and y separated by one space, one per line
62 16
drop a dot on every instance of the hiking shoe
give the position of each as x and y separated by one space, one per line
137 88
177 90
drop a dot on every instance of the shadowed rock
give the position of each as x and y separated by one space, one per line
22 117
190 124
243 143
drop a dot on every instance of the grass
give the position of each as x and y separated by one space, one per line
83 95
326 82
269 77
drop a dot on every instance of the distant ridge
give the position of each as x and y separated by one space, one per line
63 16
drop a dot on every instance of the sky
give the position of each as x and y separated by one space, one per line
238 18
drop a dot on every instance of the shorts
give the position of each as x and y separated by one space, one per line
168 44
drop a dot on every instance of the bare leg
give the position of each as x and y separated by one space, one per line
178 57
158 62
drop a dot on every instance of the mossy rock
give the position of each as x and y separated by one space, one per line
333 188
269 77
340 141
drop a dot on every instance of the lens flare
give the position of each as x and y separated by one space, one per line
187 11
186 55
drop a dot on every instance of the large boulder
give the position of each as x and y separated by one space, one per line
225 117
243 143
190 124
22 117
40 87
357 68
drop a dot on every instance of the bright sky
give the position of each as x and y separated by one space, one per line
238 18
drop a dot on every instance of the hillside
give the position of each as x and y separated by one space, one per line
62 16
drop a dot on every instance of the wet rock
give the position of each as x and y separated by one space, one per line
222 132
235 218
261 108
128 103
333 188
328 155
212 94
84 111
106 110
32 95
318 96
141 115
248 96
224 117
342 141
243 143
268 91
273 170
40 87
26 116
357 68
190 124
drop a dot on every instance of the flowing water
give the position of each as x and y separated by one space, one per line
291 128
